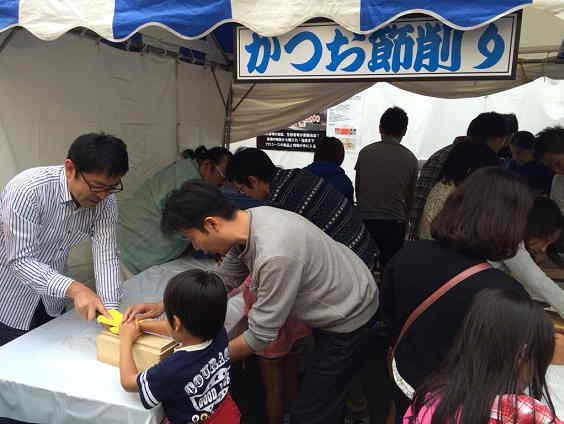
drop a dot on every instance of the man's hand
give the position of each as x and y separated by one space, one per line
86 302
129 332
143 311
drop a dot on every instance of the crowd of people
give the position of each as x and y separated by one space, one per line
412 287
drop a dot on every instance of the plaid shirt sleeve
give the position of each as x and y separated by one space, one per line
522 409
428 177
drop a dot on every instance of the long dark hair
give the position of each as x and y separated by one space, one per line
464 159
504 347
486 216
202 153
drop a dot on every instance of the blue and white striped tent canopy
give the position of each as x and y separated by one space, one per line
118 20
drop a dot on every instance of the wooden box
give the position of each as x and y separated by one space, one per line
148 349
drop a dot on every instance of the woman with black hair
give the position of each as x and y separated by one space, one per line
495 372
483 219
544 228
142 244
463 160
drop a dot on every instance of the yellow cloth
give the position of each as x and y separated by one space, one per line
114 323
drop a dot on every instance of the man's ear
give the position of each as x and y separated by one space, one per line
211 224
253 182
70 170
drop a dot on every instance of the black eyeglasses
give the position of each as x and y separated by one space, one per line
108 189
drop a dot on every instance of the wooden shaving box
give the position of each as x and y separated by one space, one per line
148 349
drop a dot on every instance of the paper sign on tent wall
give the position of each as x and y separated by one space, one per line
344 122
421 48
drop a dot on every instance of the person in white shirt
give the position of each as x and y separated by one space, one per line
46 211
544 227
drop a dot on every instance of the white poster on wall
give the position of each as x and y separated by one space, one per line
343 122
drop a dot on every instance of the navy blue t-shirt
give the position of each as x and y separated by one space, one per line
190 384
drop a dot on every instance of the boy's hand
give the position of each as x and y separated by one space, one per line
143 311
129 331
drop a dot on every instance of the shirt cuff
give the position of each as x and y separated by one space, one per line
111 305
254 343
58 285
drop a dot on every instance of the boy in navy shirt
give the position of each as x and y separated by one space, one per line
192 383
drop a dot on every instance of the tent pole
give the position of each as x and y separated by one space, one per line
7 39
218 86
245 96
228 114
229 109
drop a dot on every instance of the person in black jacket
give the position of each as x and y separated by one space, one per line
483 219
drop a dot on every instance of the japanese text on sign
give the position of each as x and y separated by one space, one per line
408 48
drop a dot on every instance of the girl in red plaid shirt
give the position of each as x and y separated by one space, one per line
495 373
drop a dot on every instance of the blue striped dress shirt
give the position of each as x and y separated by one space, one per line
39 224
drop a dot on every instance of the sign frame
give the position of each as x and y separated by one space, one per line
515 39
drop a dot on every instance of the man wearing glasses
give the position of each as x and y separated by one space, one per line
46 211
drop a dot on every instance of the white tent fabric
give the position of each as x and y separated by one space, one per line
53 92
274 106
201 112
434 123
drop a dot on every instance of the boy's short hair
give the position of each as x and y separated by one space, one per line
199 299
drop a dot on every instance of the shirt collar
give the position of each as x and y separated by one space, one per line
64 187
196 347
390 139
248 244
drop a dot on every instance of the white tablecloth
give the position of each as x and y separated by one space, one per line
51 375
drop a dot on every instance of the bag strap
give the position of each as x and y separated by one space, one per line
437 295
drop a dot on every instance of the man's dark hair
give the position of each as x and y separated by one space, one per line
247 163
215 154
99 152
549 140
524 140
465 158
511 122
545 219
488 124
199 299
486 216
329 149
394 121
188 206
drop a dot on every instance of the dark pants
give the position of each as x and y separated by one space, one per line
7 334
389 236
331 367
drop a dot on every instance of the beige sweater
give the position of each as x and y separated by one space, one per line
435 201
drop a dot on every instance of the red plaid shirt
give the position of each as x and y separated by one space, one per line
529 411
